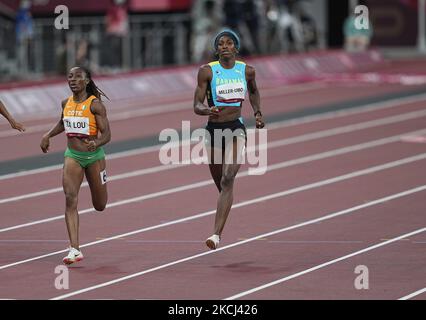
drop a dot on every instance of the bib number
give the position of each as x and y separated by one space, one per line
103 176
230 92
76 125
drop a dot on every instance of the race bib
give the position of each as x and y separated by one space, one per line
76 125
103 176
230 92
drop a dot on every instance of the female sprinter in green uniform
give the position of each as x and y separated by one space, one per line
225 83
84 119
12 121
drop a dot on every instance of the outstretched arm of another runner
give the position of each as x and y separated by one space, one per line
12 121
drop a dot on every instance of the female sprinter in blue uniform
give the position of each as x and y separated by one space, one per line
84 120
225 83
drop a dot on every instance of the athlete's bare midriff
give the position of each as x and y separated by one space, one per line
227 114
77 144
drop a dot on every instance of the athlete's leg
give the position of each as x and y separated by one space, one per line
229 171
215 157
96 177
71 181
215 168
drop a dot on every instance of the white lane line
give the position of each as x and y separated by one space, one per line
412 295
121 176
355 127
30 240
244 203
309 222
365 108
316 241
30 172
115 155
207 182
266 93
320 266
266 241
286 123
168 242
139 111
274 144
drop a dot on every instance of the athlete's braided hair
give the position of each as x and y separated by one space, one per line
92 88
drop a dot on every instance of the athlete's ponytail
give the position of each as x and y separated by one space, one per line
92 88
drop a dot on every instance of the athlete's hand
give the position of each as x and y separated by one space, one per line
44 144
90 144
259 121
16 125
214 111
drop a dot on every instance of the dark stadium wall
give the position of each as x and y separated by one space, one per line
394 22
337 11
8 7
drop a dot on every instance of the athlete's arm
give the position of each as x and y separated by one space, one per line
254 95
57 129
99 110
203 78
12 121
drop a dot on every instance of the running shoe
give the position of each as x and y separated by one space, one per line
73 256
213 242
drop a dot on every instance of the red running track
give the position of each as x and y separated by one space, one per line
323 198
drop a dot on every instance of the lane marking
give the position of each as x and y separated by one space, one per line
320 266
286 123
253 201
140 111
316 241
31 240
329 216
270 145
412 295
207 182
414 139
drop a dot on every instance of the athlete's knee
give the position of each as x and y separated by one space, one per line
71 199
99 206
227 180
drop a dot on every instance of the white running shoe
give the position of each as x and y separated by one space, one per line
213 242
73 256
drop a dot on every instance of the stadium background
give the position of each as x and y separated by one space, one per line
345 152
